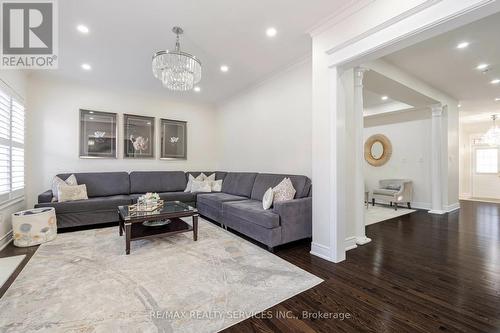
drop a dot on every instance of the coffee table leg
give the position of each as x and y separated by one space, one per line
195 227
128 229
120 226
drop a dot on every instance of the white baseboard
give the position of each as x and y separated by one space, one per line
324 252
350 243
420 205
452 207
5 240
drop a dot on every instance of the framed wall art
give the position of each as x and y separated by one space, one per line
98 134
173 139
139 136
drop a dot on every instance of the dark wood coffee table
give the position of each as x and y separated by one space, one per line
132 222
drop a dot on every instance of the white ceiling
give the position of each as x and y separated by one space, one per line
438 62
125 33
399 97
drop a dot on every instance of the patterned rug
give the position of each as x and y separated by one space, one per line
84 282
374 214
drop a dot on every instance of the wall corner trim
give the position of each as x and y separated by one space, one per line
350 243
322 251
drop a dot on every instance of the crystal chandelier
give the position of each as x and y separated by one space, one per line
492 137
177 70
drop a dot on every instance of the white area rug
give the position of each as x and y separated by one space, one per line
7 266
374 214
84 282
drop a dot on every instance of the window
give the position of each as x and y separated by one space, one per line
11 147
487 160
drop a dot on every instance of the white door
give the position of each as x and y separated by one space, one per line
486 172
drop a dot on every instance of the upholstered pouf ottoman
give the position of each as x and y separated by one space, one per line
34 226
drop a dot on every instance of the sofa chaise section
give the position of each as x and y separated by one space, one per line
287 221
106 191
235 187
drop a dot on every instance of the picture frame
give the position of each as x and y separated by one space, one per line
138 136
173 139
98 134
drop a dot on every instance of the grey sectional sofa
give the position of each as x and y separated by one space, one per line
238 206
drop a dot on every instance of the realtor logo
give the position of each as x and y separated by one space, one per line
29 34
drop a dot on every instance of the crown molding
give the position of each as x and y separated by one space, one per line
382 26
348 9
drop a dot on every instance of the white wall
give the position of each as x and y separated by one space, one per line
410 136
466 131
53 126
268 128
15 82
450 125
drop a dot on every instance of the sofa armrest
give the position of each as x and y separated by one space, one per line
45 197
295 218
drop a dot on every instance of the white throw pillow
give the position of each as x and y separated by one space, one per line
210 178
191 179
267 199
201 186
216 185
56 182
72 192
284 191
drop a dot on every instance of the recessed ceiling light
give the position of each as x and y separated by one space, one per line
482 66
384 98
497 99
459 105
82 28
224 68
149 123
197 89
495 81
271 32
462 45
91 118
86 67
91 112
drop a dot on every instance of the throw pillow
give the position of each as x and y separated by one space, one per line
72 193
56 182
216 185
267 199
190 181
393 187
284 191
210 178
201 186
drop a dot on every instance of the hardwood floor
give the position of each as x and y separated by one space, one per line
420 273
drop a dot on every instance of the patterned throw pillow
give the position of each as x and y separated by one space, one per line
201 186
209 178
191 179
284 191
216 185
72 193
56 182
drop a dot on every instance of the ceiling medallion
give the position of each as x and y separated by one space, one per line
177 70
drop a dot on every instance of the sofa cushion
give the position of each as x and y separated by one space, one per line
239 183
251 211
383 191
215 200
92 204
102 184
171 196
157 181
263 181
